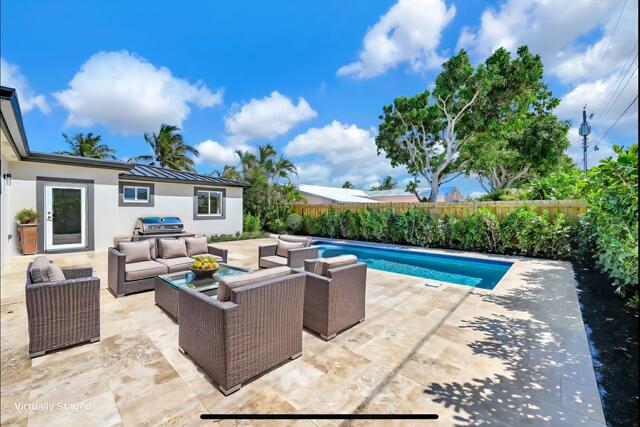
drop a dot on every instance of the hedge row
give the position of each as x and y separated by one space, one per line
523 232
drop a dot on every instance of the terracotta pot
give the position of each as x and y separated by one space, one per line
28 238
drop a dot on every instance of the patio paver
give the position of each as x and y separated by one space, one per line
517 355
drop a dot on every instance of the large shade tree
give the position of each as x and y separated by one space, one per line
169 150
524 139
427 132
88 145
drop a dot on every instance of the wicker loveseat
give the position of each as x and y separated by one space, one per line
290 251
254 324
136 271
334 297
62 310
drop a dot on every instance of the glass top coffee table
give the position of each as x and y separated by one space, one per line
167 286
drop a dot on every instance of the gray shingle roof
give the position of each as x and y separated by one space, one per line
154 173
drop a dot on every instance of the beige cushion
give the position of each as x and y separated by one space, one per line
284 246
176 264
55 273
272 261
325 264
230 282
135 251
296 239
173 248
40 269
196 245
143 270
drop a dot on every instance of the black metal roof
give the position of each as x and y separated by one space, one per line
154 173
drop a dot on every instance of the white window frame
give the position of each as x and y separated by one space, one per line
209 192
136 188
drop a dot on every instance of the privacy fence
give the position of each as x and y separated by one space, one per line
572 208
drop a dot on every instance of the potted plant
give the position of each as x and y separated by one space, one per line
27 220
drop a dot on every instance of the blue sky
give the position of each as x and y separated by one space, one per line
309 77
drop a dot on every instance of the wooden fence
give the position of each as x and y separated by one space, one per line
572 208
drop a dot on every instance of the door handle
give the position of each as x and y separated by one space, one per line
50 216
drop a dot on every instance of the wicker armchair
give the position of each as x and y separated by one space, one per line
258 328
62 313
269 256
335 301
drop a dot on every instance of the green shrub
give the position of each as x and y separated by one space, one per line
238 236
524 232
252 223
26 216
294 223
277 226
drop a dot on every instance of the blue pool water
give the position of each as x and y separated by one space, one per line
478 273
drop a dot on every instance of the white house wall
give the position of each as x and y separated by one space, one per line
110 219
177 200
105 186
6 223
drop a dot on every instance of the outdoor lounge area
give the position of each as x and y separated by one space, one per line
515 355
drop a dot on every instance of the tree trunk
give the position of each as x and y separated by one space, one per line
435 189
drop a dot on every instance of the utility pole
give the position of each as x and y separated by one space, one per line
585 130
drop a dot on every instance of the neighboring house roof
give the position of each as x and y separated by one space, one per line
339 195
399 192
154 173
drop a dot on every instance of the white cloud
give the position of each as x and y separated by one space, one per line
269 117
409 32
129 95
598 96
214 153
13 78
555 31
342 153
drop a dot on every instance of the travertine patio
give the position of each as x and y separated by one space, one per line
517 355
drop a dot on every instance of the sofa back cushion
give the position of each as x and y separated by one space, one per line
135 251
196 245
284 246
40 269
296 239
323 265
55 273
231 282
173 248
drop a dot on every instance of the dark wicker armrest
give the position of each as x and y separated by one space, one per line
76 273
310 264
117 261
267 250
222 253
296 257
60 284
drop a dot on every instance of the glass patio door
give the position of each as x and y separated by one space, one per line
65 222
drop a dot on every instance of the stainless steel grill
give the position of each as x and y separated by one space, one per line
158 225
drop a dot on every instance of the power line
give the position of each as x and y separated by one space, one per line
631 56
615 29
616 94
616 122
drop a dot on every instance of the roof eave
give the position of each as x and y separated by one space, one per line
77 161
184 181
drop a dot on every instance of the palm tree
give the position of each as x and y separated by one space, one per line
229 172
347 184
169 150
388 183
87 146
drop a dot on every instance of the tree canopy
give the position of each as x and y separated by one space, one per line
169 150
428 131
88 145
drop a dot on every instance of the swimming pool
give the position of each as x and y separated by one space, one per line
479 273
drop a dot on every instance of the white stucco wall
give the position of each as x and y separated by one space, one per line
5 220
105 185
177 200
111 220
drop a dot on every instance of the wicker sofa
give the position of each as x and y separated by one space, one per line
334 297
290 251
129 275
254 324
61 311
